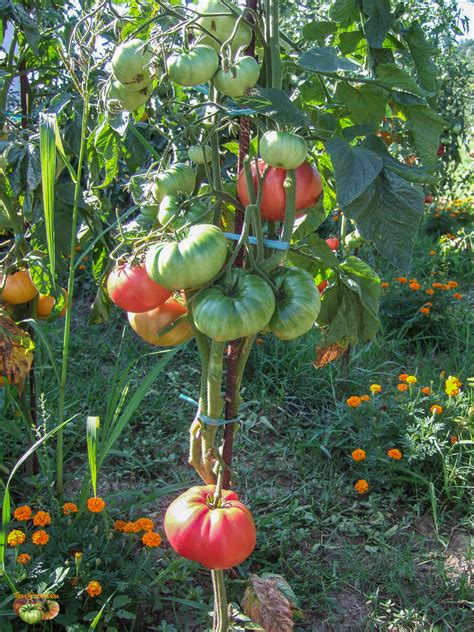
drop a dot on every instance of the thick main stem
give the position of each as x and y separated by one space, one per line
221 615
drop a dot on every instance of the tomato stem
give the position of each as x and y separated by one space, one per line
221 615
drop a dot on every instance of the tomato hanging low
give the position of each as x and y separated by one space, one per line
191 262
130 65
283 149
200 154
128 101
179 178
217 537
147 325
308 189
18 288
234 308
297 303
46 304
131 288
237 80
193 68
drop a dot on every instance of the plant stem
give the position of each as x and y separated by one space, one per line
290 215
70 294
215 404
221 615
274 26
216 164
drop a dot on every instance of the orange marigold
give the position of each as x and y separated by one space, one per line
362 486
353 401
457 295
432 253
145 524
426 390
16 537
358 454
40 537
375 388
411 379
22 513
41 519
95 504
403 377
445 287
70 508
384 285
131 527
151 539
436 284
401 280
94 589
365 398
425 310
453 439
436 410
429 291
414 286
394 453
119 525
453 284
402 387
23 559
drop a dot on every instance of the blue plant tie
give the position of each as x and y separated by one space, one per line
271 243
209 421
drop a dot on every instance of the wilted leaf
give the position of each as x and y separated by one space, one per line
325 355
16 352
265 603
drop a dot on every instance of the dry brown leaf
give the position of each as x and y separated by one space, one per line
16 352
328 354
266 605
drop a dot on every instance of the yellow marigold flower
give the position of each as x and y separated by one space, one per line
457 295
426 390
453 284
384 286
353 401
78 555
94 589
151 539
432 253
411 379
453 439
95 504
16 537
436 410
437 285
452 384
403 377
131 527
425 310
401 280
22 513
365 398
429 291
402 387
414 286
41 519
70 508
358 454
145 524
375 388
119 525
40 537
362 486
394 453
23 559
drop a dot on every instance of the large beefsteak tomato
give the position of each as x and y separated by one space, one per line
216 537
147 325
131 288
273 206
18 288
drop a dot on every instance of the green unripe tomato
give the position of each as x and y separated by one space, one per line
171 215
193 68
130 65
297 303
283 149
128 101
353 240
200 154
30 613
191 262
231 310
236 81
222 26
179 178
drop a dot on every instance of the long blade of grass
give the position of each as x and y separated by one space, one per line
98 616
93 424
47 130
39 331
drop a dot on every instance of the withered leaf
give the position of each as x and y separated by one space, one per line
266 604
325 355
16 352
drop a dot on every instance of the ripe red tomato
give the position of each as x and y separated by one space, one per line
322 286
333 243
428 199
216 538
132 289
148 324
308 189
18 288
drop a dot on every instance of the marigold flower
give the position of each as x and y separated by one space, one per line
40 537
401 280
432 253
394 453
452 385
145 524
94 589
425 310
70 508
82 267
375 388
23 559
457 295
384 285
414 286
151 539
437 285
119 525
358 454
78 555
436 410
453 284
362 486
95 504
131 527
16 537
259 341
365 398
426 390
445 287
353 401
429 291
402 387
453 439
411 379
403 377
22 513
41 519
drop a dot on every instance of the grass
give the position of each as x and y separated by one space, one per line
395 559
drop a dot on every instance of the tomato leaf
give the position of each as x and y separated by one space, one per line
426 126
265 603
344 10
391 76
366 104
378 22
319 30
276 104
324 59
423 52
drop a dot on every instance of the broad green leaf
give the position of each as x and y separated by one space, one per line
423 52
389 213
312 254
275 104
378 22
47 129
311 221
366 104
355 169
106 145
343 10
426 126
324 59
319 30
352 42
391 76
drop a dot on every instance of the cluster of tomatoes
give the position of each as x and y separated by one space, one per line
17 288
